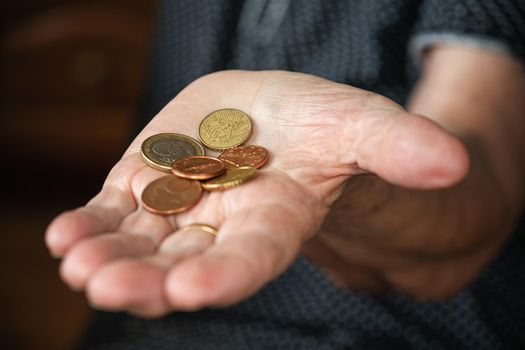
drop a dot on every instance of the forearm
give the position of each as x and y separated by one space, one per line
480 97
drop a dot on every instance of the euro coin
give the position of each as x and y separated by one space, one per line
254 156
198 167
231 178
225 128
161 150
170 195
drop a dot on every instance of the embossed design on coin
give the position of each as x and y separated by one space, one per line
225 128
161 150
198 167
231 178
255 156
170 194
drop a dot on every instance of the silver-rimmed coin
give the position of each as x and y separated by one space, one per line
161 150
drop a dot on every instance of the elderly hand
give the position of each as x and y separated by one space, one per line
319 134
431 244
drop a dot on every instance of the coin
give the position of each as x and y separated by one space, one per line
255 156
171 194
231 178
198 167
225 128
161 150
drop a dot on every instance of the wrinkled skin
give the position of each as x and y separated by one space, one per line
319 134
431 244
417 214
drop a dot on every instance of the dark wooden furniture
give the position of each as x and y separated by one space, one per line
71 78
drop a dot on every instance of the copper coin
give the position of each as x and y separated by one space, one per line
254 156
171 194
198 167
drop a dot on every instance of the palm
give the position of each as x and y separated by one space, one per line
128 258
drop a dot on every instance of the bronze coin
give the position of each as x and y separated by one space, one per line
198 167
225 128
254 156
161 150
231 178
170 195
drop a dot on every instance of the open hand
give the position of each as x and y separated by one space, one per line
319 134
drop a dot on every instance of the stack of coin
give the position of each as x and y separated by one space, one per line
225 130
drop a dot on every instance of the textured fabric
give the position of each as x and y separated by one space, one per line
303 310
359 42
362 43
497 21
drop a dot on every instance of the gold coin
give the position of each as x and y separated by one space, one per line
225 128
161 150
231 178
171 194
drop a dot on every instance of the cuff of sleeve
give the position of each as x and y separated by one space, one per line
424 41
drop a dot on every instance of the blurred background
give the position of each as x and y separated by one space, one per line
72 75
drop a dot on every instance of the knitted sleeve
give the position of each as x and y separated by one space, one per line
497 25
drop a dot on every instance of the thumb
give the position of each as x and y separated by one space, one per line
410 151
